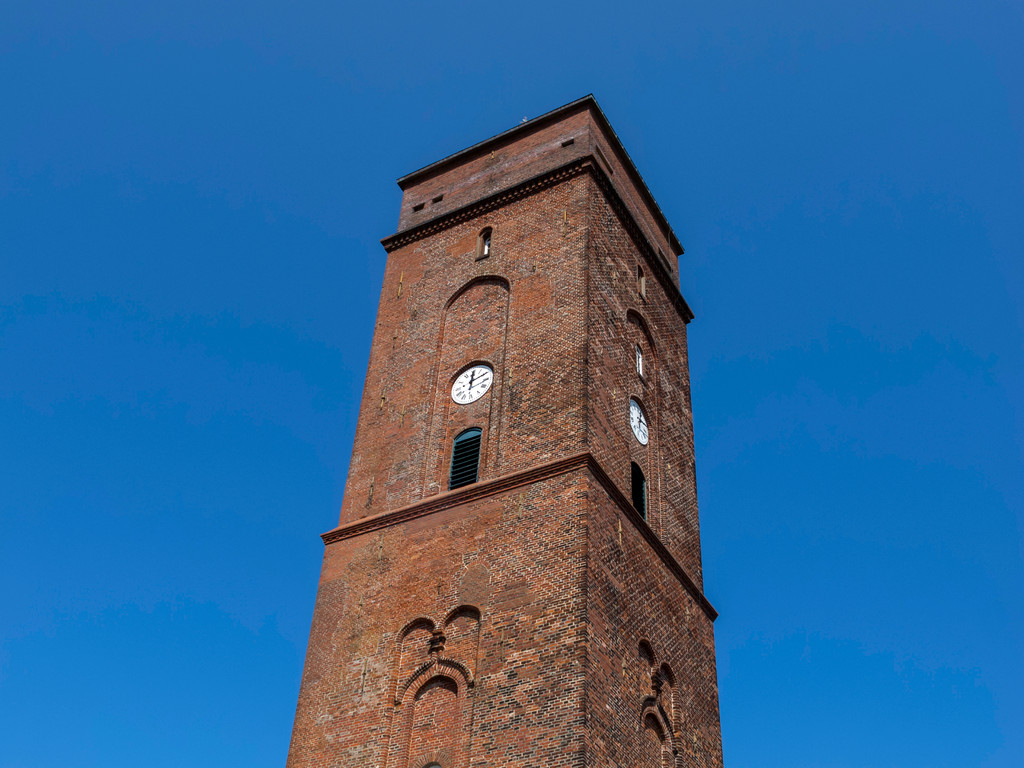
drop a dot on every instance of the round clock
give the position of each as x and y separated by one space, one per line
472 384
638 421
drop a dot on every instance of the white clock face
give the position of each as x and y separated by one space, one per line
638 421
472 384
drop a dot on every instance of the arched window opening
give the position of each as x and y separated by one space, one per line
483 244
639 361
639 489
465 458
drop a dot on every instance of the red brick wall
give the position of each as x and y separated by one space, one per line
619 318
525 657
633 599
532 618
543 596
532 333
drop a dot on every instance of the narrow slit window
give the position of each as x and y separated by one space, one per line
639 489
483 244
465 459
639 360
418 206
641 281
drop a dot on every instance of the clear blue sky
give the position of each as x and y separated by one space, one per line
191 198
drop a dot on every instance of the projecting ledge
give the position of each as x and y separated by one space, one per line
514 480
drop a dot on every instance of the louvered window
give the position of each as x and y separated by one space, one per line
639 490
465 459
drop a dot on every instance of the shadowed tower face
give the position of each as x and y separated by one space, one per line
516 577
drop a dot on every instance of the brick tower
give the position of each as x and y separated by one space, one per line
515 580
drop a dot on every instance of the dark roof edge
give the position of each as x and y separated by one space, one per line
587 101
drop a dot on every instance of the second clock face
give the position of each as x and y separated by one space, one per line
638 421
472 384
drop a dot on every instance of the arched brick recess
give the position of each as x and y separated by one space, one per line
462 633
473 331
646 390
413 649
435 720
431 713
658 710
655 750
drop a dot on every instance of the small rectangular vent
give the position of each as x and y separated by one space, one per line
437 199
418 206
568 142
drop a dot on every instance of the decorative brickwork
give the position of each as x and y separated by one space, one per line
533 617
432 714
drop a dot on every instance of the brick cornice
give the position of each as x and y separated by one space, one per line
515 480
489 203
585 164
588 102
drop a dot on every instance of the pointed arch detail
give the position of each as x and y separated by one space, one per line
433 668
478 280
636 318
430 712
